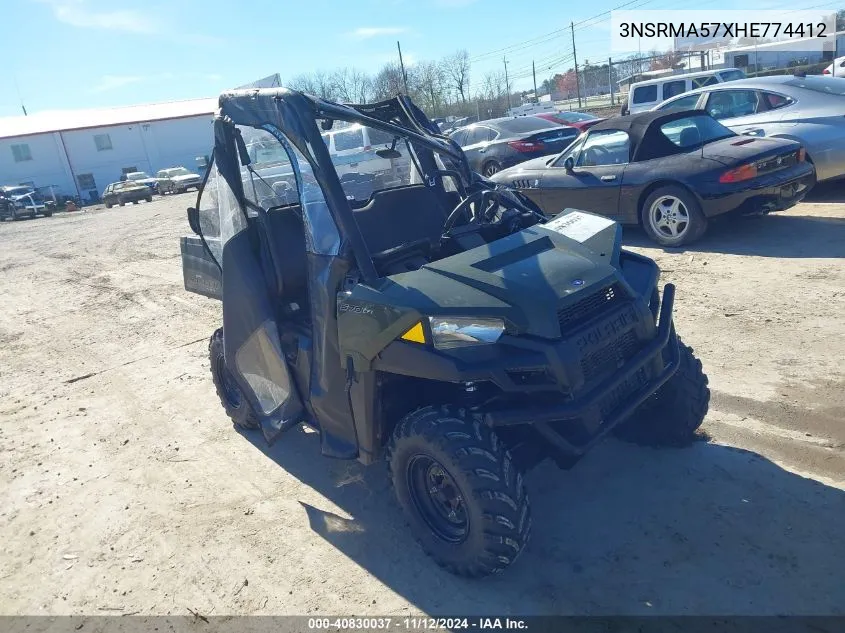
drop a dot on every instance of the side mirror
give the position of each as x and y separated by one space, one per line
194 220
569 163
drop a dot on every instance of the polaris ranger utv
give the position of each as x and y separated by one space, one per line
425 316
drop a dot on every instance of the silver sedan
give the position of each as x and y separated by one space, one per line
810 110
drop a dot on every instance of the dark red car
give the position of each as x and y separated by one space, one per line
580 120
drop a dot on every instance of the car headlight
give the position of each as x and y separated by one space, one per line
451 332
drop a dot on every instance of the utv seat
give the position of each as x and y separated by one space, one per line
288 267
400 215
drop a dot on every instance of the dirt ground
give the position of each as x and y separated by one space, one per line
126 490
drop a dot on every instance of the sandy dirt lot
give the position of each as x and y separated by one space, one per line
126 490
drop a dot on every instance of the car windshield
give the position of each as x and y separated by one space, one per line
694 131
524 124
177 171
137 175
574 117
827 85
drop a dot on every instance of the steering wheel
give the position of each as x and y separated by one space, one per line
481 197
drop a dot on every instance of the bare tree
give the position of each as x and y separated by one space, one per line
388 81
304 83
323 85
430 80
456 69
350 85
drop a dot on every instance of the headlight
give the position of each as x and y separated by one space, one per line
450 332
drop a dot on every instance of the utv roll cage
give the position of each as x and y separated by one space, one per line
274 110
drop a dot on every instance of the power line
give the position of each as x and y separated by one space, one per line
609 11
552 34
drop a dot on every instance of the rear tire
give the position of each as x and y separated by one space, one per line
490 168
673 217
149 198
231 397
461 492
671 416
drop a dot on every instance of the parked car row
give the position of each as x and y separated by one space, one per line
734 144
668 171
171 180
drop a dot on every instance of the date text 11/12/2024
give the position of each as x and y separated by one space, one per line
417 624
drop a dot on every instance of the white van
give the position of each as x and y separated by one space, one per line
353 152
353 149
644 95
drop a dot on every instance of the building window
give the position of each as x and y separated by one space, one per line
86 181
21 152
102 141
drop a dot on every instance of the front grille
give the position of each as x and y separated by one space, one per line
615 398
609 358
585 309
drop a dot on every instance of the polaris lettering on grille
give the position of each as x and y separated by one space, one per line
606 330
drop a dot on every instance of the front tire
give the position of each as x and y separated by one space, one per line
231 397
673 217
462 494
672 416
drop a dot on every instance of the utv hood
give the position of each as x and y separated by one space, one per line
525 278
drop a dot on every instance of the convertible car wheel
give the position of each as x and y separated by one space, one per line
673 217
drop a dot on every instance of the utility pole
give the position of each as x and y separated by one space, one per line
610 77
402 66
575 58
534 72
507 84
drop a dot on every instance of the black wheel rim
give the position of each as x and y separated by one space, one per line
437 499
491 169
230 389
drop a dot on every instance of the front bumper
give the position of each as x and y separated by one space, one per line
624 387
554 386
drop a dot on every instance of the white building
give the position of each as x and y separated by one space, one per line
82 151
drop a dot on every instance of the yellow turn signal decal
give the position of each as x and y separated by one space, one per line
415 334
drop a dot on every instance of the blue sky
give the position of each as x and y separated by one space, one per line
63 54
